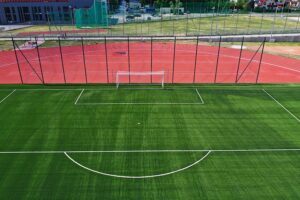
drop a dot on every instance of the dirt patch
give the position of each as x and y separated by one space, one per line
287 51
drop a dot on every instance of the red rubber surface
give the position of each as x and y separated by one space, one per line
274 69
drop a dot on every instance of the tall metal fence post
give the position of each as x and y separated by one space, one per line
249 22
199 25
236 22
217 64
84 63
298 21
212 22
261 21
161 28
196 58
239 62
128 57
224 23
151 57
39 57
260 61
273 25
62 60
17 59
174 54
286 18
123 25
187 23
148 25
106 60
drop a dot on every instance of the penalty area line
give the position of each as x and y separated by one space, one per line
202 102
7 96
79 96
294 116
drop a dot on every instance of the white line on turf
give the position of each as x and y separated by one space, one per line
7 96
281 105
173 87
150 151
79 96
199 96
137 177
137 103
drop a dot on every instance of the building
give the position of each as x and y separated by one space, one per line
276 4
40 11
135 4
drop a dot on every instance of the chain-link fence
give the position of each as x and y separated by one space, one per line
183 60
186 18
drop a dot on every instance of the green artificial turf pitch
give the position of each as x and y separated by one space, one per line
183 142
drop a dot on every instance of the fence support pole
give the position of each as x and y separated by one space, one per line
261 57
298 22
39 57
123 25
196 58
161 19
249 22
174 54
62 61
106 59
128 58
286 18
151 61
217 64
212 22
17 59
239 63
236 22
261 21
187 24
199 25
84 63
273 25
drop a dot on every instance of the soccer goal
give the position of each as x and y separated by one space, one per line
153 78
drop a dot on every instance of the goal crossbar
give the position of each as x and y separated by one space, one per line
136 73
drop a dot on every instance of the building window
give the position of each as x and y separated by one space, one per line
59 13
8 14
24 14
14 16
49 14
37 13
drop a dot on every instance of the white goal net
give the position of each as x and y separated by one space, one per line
146 77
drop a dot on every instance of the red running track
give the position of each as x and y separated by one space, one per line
274 69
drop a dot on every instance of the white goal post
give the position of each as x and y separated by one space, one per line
157 75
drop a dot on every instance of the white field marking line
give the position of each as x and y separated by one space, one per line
79 96
7 96
281 105
171 88
137 177
139 103
150 151
131 103
199 96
